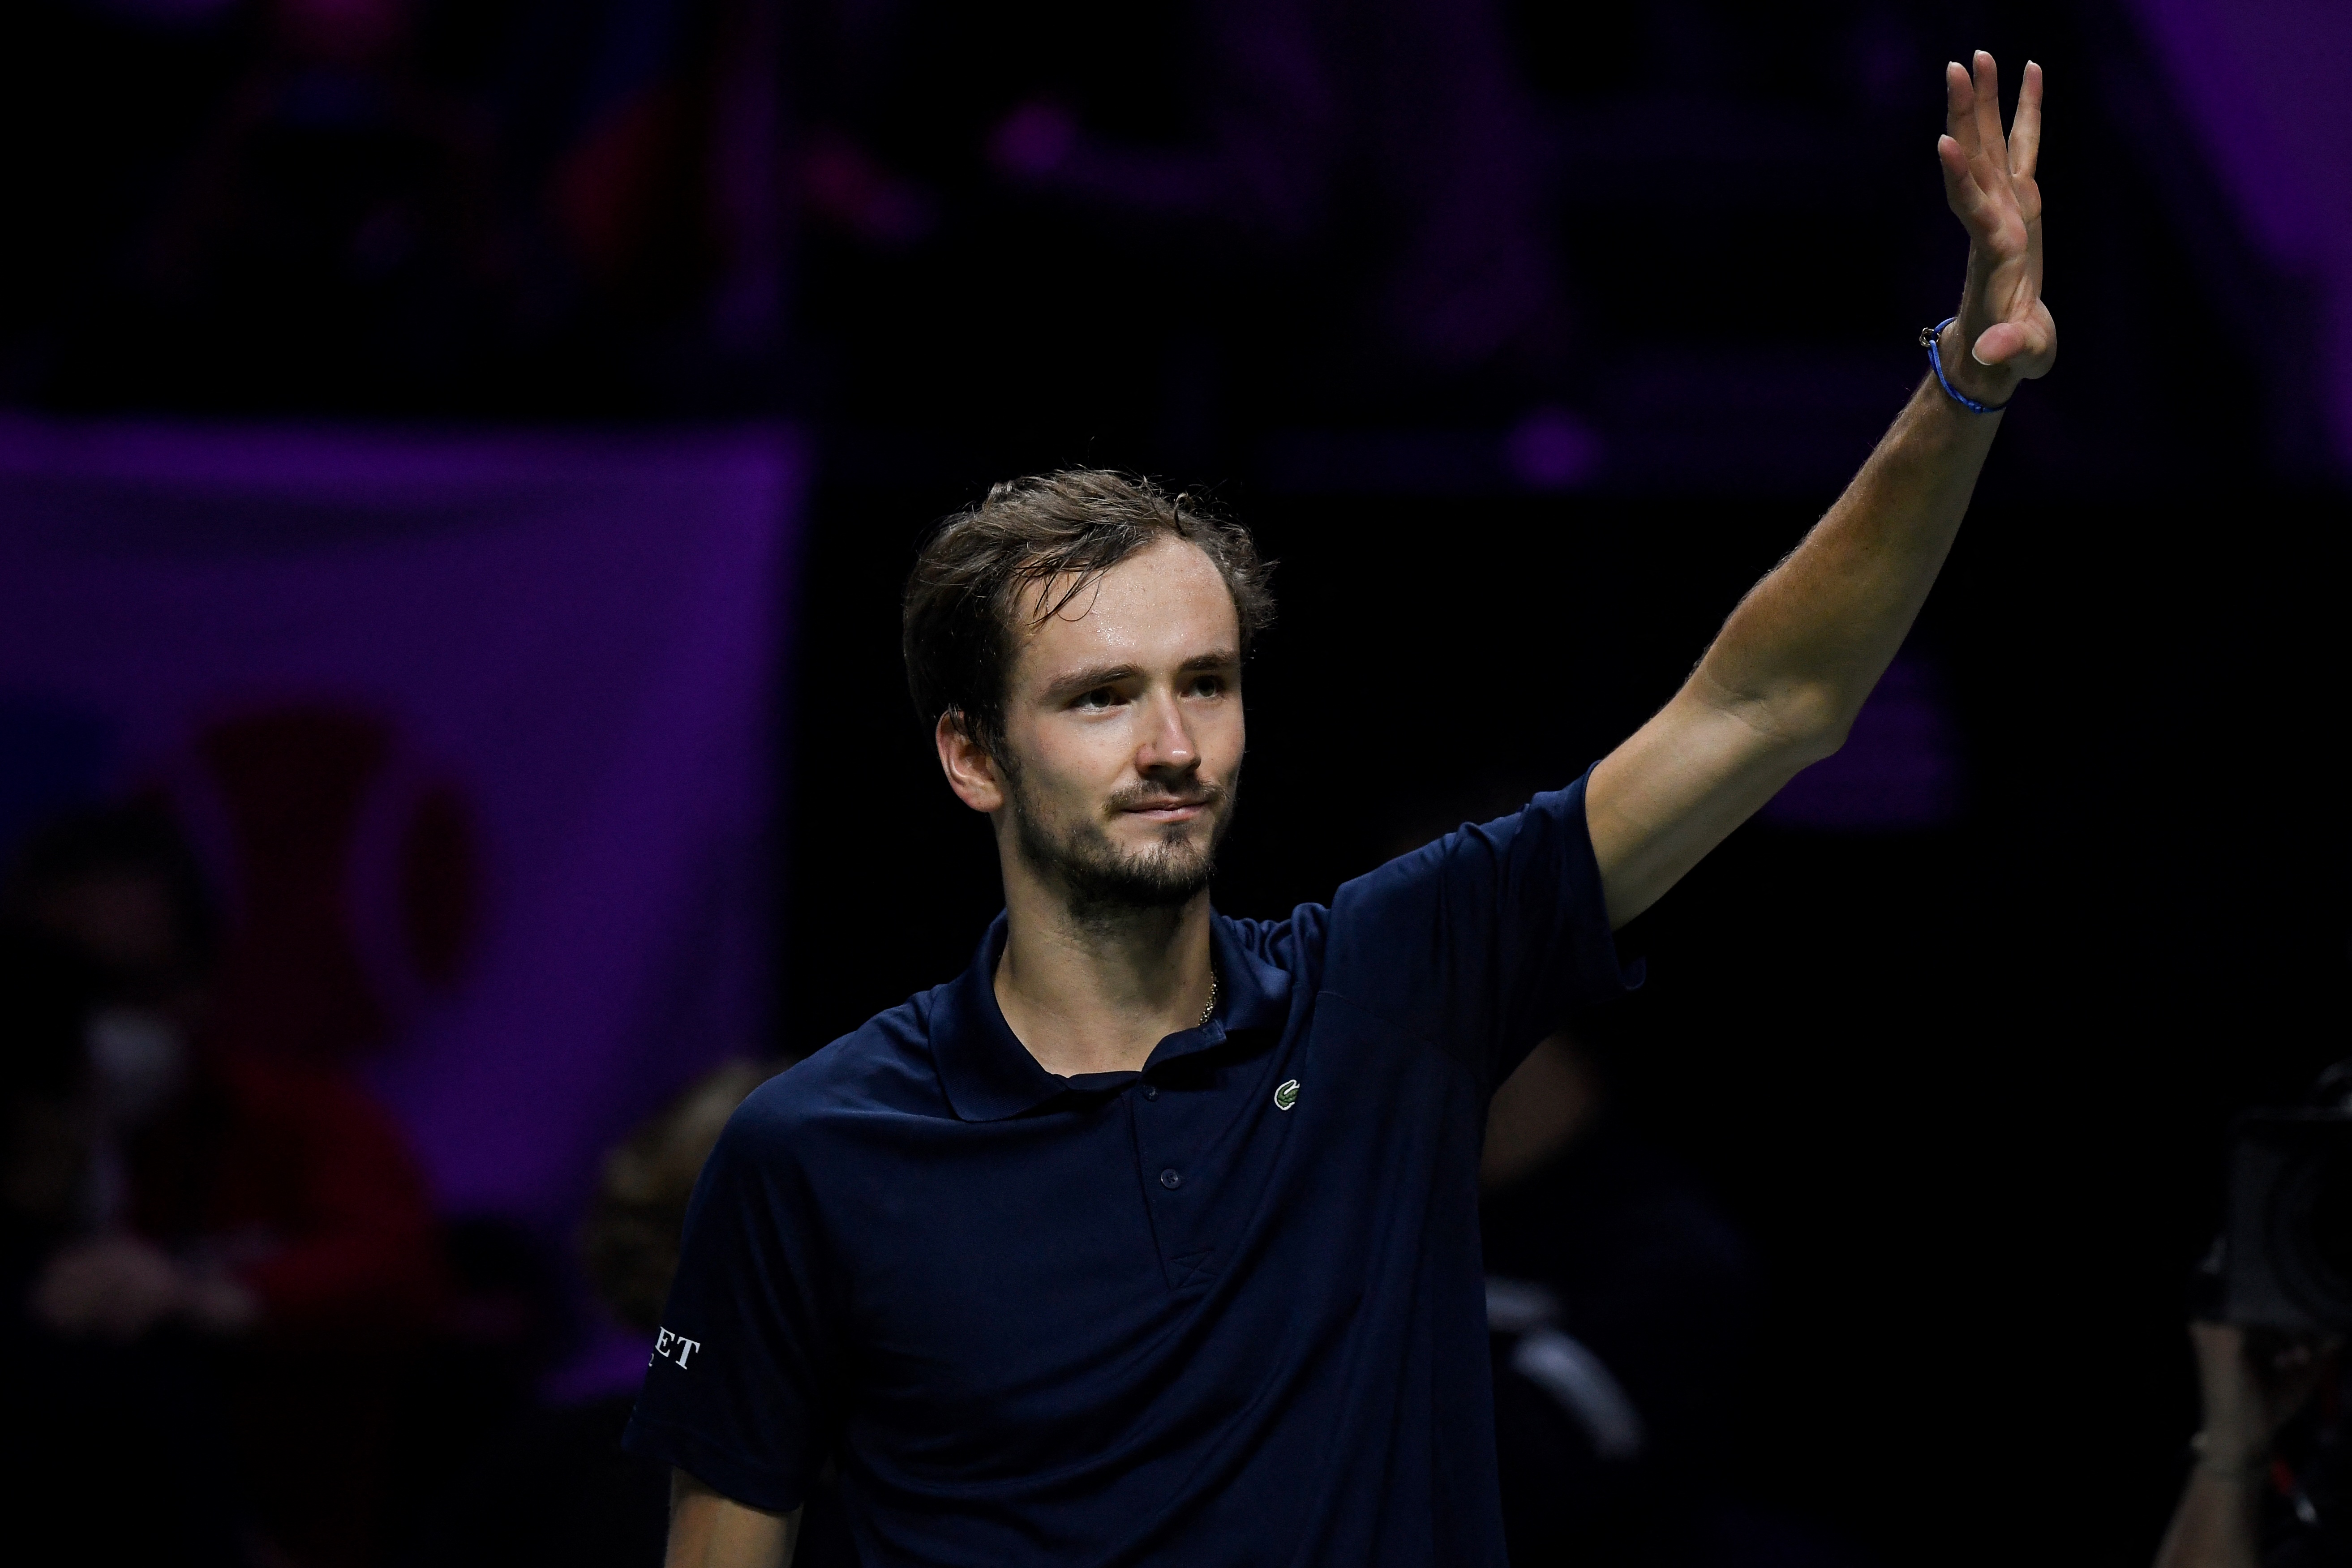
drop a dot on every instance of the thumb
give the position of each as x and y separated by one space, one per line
2000 342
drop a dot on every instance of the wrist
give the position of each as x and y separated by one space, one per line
1989 384
2235 1474
2230 1454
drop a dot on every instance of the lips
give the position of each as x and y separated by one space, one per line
1168 811
1151 807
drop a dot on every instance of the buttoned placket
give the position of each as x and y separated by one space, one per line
1155 1158
1163 1120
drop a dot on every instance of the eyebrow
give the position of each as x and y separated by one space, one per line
1214 659
1079 682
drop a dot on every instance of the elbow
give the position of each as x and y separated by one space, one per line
1808 724
1825 738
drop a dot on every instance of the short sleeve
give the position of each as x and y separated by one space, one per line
739 1390
1483 942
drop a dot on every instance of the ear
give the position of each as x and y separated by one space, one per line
971 771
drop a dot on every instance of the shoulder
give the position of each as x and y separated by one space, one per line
1545 839
1284 945
1269 966
883 1066
830 1121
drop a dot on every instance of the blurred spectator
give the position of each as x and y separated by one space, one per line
2269 1477
237 1191
630 1240
116 1450
1619 1300
556 1489
266 1209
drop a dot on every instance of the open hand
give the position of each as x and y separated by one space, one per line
2004 333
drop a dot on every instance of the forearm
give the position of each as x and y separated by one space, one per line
1805 646
2215 1525
708 1530
1786 675
2219 1522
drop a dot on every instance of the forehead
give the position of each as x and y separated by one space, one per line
1162 605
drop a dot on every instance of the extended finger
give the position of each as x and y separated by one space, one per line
1988 107
1961 190
1960 109
2025 127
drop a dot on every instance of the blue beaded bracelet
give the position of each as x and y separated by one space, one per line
1928 340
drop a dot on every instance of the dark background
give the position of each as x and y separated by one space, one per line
1964 1085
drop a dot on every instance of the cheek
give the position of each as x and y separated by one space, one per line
1224 740
1074 761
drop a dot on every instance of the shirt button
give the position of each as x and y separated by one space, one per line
1170 1180
1151 1091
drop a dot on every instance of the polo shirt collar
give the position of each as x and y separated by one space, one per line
988 1075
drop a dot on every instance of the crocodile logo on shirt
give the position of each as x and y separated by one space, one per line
1287 1095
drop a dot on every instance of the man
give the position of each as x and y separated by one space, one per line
1153 1238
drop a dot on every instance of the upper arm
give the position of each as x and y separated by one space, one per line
1482 942
1677 786
744 1372
708 1530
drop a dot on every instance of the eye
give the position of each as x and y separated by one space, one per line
1208 685
1096 700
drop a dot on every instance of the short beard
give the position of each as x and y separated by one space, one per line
1102 882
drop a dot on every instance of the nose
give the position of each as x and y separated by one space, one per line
1167 747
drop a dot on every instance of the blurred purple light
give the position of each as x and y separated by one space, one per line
1552 449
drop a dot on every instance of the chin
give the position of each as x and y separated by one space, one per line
1172 842
1189 841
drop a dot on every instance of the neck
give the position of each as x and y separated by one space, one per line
1094 990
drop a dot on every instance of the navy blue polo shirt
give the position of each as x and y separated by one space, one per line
1227 1309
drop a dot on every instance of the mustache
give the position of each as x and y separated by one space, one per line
1149 796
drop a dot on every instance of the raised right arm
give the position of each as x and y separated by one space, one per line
1784 680
710 1530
